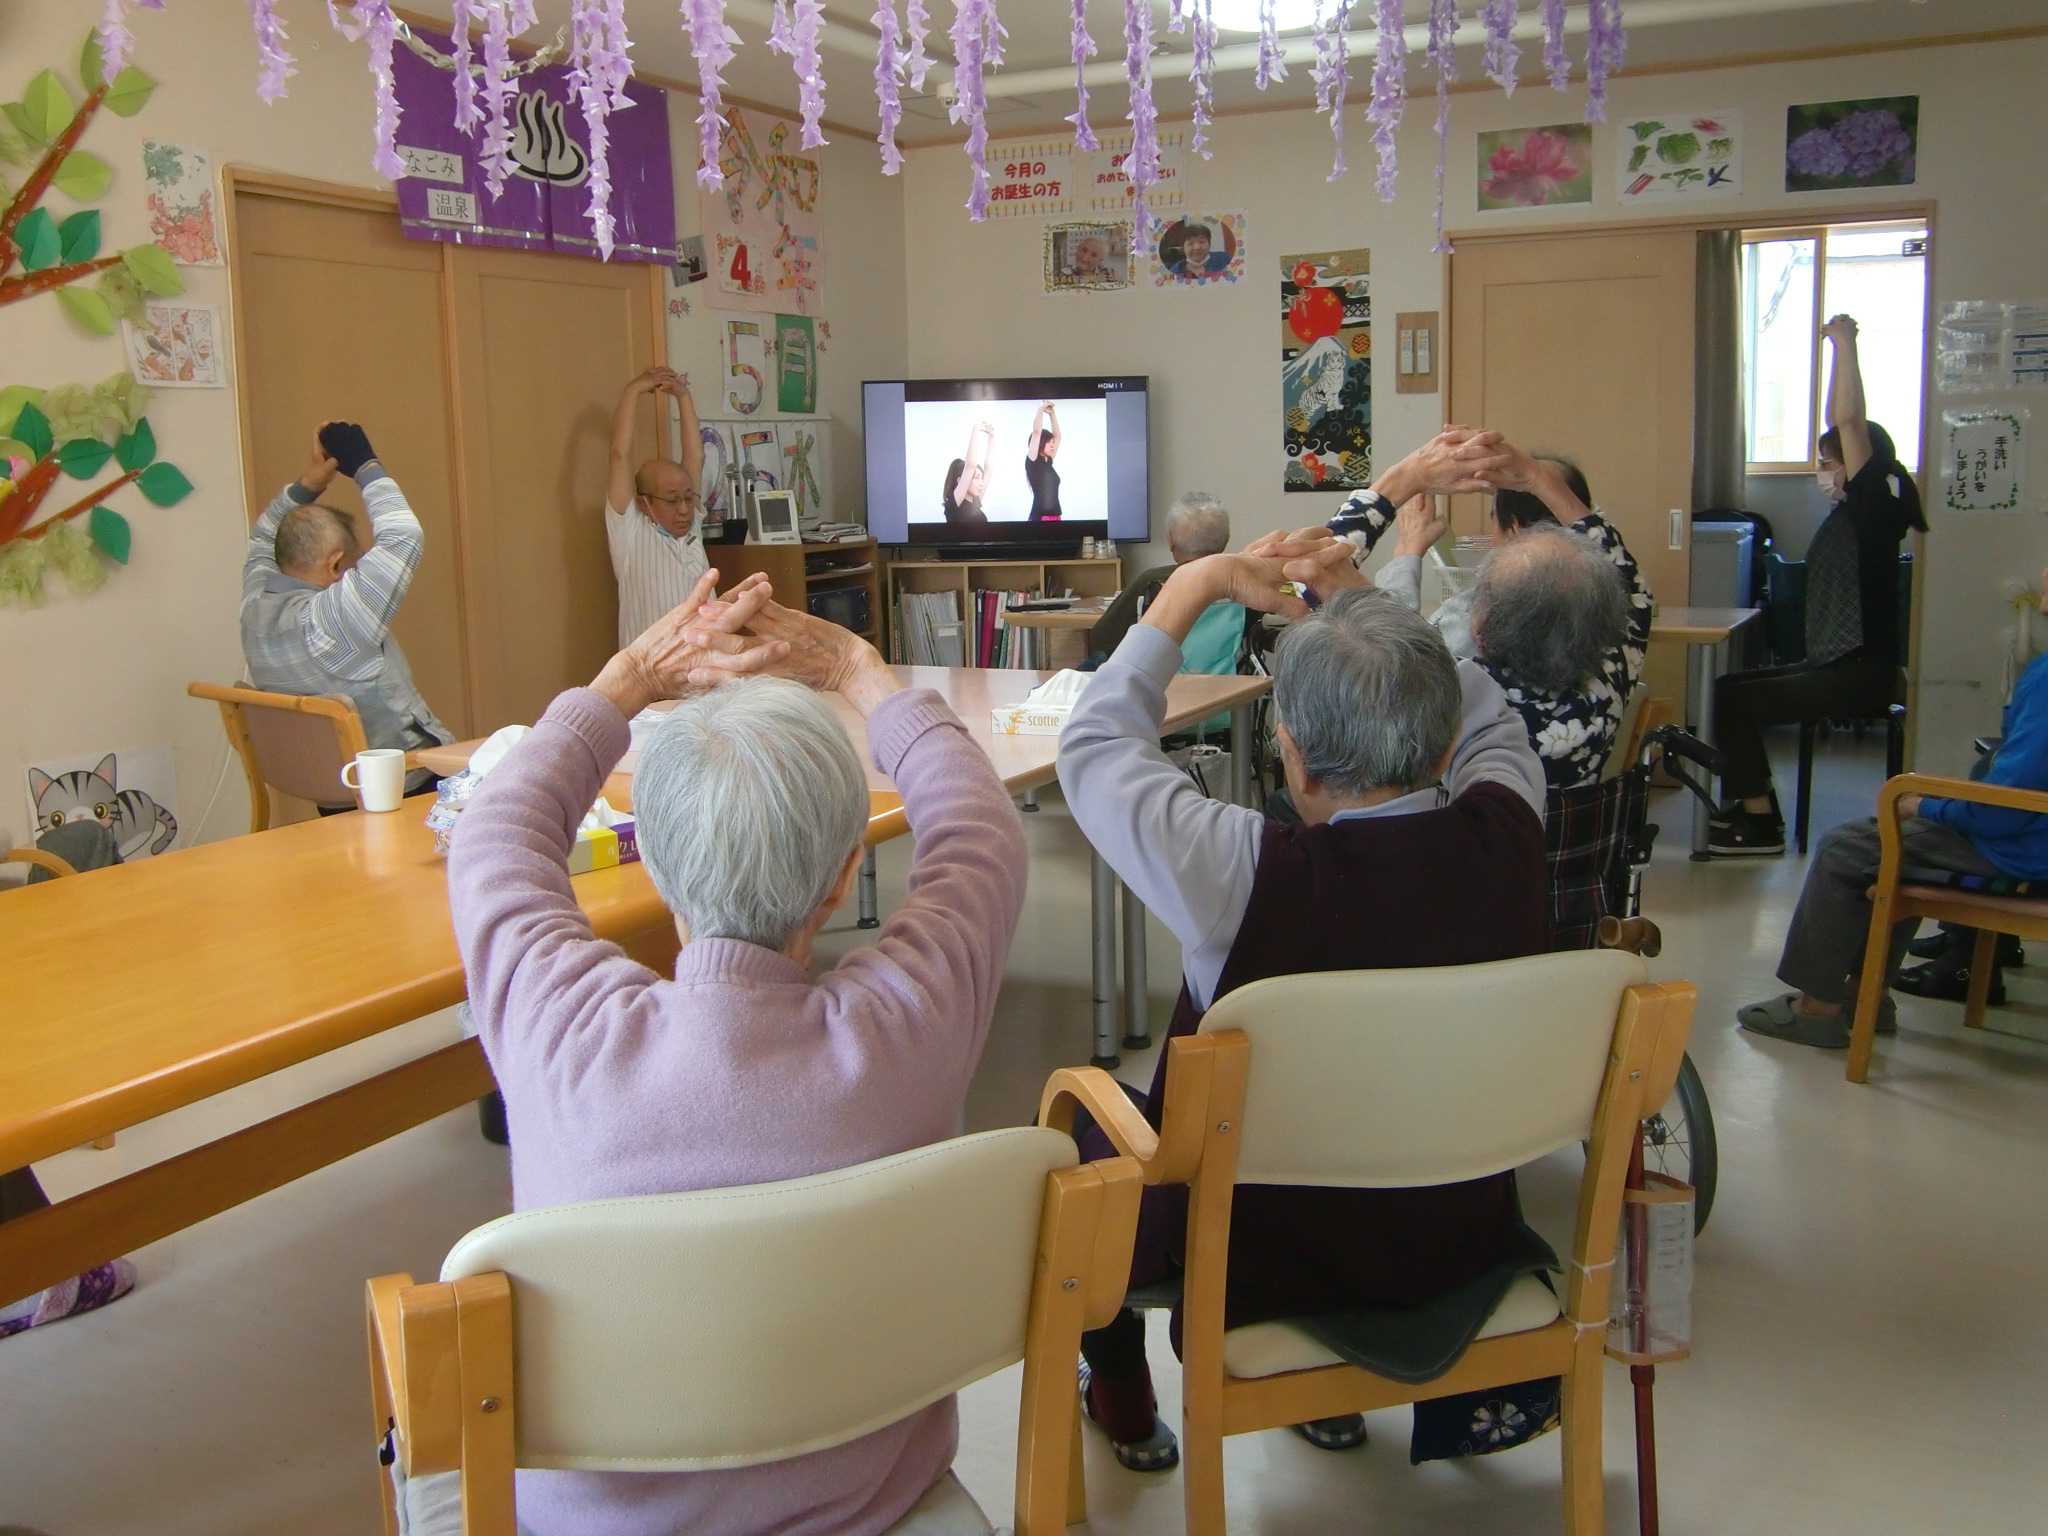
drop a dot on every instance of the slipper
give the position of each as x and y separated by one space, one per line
1781 1020
1159 1452
1345 1432
86 1292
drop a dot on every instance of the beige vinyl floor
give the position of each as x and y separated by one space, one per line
1868 1361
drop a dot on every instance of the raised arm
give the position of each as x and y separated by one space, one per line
345 624
1456 461
1052 416
980 442
260 562
1845 396
693 430
620 467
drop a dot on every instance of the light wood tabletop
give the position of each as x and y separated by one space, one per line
1699 626
1085 613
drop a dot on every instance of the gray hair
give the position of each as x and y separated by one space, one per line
306 534
1369 692
1197 524
748 800
1548 607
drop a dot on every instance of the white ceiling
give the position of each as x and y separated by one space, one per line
1039 39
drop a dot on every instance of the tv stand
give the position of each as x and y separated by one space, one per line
924 572
985 554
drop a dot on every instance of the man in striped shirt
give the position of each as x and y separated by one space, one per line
317 607
650 513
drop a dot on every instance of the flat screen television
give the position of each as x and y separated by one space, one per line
1006 464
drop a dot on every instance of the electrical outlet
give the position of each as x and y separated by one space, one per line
1678 527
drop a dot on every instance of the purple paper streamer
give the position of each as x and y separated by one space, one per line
1175 20
1555 59
1332 73
373 19
599 68
889 85
1503 53
780 38
503 21
810 71
116 41
992 34
704 20
1143 165
972 20
1084 50
273 62
1443 55
917 21
1606 48
1272 61
1389 91
467 114
1203 73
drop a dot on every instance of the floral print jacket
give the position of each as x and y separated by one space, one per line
1574 731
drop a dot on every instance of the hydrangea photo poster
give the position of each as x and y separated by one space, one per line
1836 144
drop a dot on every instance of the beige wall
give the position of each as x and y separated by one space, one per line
977 305
109 670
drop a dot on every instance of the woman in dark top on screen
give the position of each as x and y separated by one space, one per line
967 479
1854 647
1045 480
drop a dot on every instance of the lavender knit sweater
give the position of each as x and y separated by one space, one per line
740 1071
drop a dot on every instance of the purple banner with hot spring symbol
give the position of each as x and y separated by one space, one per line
545 202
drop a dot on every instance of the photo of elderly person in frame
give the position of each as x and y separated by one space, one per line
1084 257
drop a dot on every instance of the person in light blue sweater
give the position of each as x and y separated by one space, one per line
1824 946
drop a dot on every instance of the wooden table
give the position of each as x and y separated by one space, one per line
1060 625
1705 632
1026 763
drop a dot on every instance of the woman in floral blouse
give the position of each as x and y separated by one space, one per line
1574 728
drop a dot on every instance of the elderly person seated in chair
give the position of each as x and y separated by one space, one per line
751 804
1942 840
1420 843
1197 524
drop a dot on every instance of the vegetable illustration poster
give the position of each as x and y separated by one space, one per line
1326 369
1682 154
761 227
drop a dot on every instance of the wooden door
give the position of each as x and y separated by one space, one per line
542 346
1583 345
340 318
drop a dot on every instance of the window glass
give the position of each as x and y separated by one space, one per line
1778 331
1870 276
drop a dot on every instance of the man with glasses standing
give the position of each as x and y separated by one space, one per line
650 514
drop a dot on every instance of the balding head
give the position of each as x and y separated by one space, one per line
1548 607
317 543
667 495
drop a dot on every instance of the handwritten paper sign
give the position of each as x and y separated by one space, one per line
1110 185
1983 467
1029 179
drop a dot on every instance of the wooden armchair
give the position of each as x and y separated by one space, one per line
1892 901
295 743
35 858
738 1327
1400 1078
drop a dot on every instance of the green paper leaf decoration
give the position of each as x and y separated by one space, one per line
48 107
84 457
71 412
137 449
82 177
79 236
91 66
110 533
164 484
33 428
129 93
153 268
123 294
88 309
119 402
41 245
21 572
71 553
18 118
12 399
11 448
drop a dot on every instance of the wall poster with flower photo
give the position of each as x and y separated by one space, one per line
1680 154
1326 370
1535 167
178 185
1835 144
176 346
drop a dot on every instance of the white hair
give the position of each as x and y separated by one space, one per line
1197 524
748 802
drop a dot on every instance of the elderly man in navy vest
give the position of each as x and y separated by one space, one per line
1420 844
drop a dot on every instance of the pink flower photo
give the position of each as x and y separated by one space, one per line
1536 167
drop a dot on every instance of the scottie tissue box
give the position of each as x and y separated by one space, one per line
1045 709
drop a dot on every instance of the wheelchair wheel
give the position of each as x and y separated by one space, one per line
1678 1141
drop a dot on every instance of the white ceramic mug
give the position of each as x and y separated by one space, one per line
380 778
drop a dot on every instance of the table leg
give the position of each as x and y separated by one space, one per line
1705 668
1241 754
1137 993
870 902
1102 920
1029 802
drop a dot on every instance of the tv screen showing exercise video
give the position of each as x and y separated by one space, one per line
1006 461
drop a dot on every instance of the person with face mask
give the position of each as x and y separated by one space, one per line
1854 641
651 511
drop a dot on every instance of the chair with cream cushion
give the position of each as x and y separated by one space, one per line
1397 1079
735 1327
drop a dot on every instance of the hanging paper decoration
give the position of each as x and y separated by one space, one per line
1389 90
1443 57
917 21
780 38
1143 167
598 72
711 46
810 70
888 85
972 24
1555 59
1502 51
1203 73
467 116
1272 63
501 25
273 63
1606 47
115 38
1332 74
1084 50
376 20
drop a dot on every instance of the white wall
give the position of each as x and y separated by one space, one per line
977 305
109 670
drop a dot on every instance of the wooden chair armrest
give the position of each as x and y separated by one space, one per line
1935 788
1104 1098
40 859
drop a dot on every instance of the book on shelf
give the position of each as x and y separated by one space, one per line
931 629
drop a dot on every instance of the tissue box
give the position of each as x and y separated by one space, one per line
1029 719
604 848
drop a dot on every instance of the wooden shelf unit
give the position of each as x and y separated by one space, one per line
830 567
1087 578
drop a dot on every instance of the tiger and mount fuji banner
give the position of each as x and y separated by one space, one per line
545 202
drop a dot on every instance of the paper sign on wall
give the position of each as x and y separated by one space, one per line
761 228
1680 155
1035 178
178 187
748 366
1983 466
176 346
1110 184
1985 346
131 792
796 364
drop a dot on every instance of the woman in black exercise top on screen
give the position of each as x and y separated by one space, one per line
1854 647
967 479
1045 480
